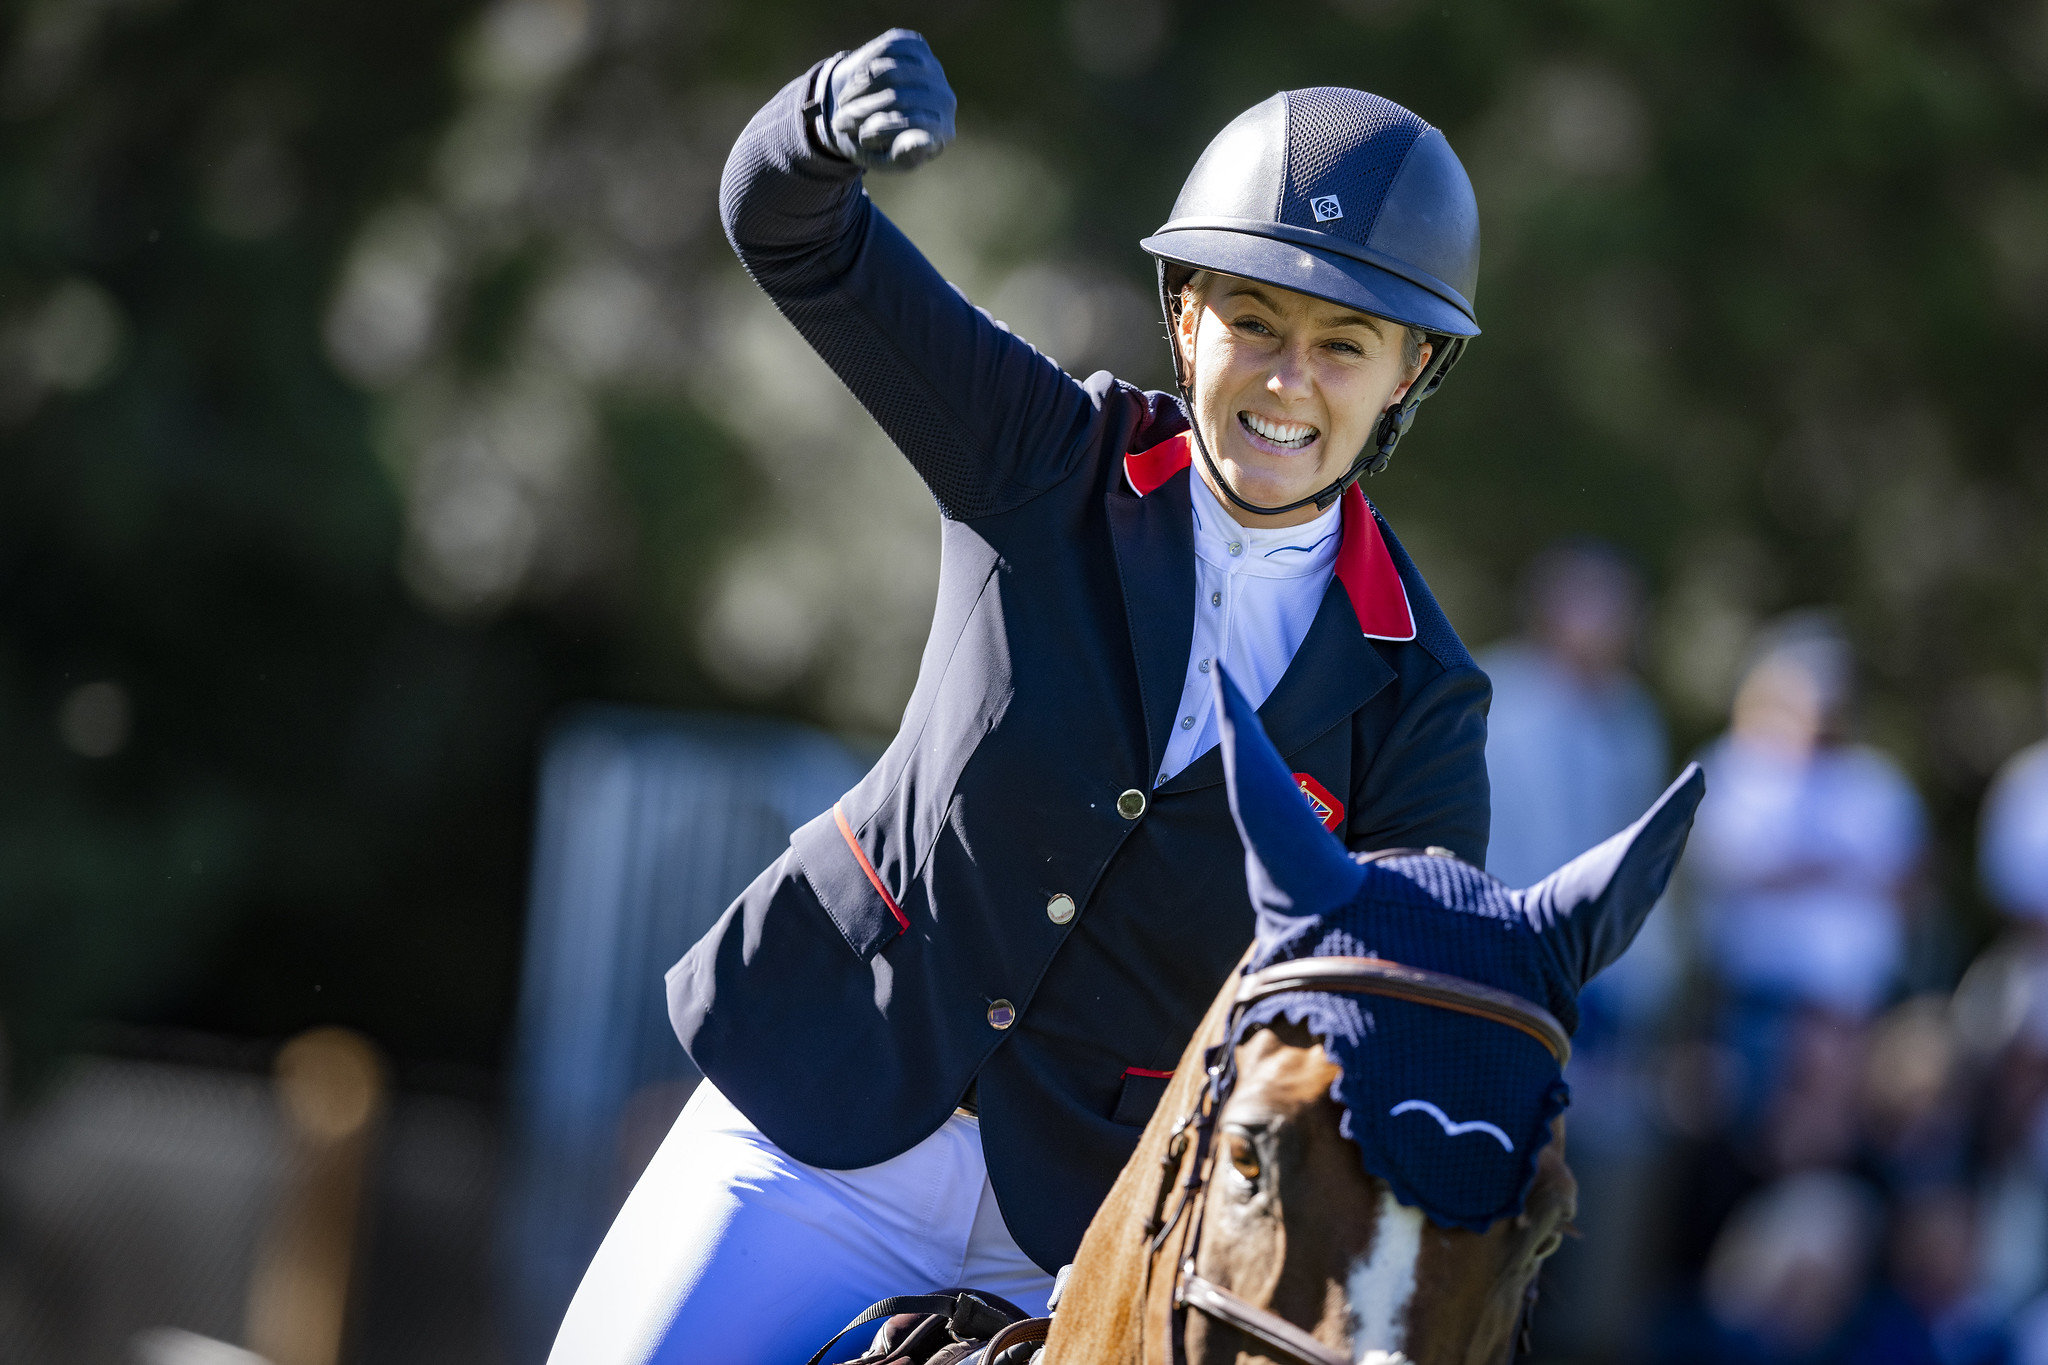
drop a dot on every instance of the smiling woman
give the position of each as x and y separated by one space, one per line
1287 388
990 949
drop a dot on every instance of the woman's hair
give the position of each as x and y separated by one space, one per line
1196 288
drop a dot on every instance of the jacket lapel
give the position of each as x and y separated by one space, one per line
1335 672
1155 557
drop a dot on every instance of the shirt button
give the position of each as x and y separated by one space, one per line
1001 1014
1236 547
1131 804
1060 908
1215 599
1187 722
1203 666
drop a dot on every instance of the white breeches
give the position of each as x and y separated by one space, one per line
730 1250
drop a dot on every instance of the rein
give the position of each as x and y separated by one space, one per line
1347 975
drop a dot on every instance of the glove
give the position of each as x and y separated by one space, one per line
886 106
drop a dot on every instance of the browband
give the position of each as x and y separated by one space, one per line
1377 976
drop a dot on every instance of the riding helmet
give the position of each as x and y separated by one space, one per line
1345 196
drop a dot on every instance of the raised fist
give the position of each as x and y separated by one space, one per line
887 106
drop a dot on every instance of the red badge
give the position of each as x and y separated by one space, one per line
1328 808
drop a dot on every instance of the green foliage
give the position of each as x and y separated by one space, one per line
1765 295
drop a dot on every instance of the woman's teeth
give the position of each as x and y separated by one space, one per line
1293 435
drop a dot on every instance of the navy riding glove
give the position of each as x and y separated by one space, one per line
885 106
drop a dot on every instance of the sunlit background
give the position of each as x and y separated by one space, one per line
402 488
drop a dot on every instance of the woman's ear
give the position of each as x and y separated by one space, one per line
1415 371
1187 323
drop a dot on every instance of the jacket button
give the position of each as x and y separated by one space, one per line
1001 1014
1131 804
1060 908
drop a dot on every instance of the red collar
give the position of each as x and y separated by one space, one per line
1364 566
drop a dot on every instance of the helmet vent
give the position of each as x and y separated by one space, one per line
1344 147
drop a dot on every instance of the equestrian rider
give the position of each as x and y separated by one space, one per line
933 1028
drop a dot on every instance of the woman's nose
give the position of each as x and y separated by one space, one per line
1290 373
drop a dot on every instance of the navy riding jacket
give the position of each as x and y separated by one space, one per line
913 940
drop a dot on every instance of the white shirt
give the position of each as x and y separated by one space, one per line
1851 823
1257 591
1571 761
2014 857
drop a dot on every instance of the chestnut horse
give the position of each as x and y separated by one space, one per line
1247 1224
1294 1225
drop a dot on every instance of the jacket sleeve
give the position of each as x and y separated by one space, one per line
987 421
1427 783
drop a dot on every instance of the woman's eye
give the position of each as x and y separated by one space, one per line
1347 347
1255 326
1244 1158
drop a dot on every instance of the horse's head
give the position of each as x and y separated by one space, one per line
1294 1224
1375 1157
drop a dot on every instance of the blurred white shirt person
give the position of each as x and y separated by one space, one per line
1804 850
2013 837
1575 747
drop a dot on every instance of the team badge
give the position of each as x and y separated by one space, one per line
1328 808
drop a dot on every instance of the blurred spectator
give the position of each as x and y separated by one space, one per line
2001 1017
2013 854
1575 749
1803 853
1788 1282
1574 744
1934 1250
1916 1104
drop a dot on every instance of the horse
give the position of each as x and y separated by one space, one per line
1276 1206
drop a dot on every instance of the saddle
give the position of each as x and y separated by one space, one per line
953 1327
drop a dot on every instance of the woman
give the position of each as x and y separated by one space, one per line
933 1029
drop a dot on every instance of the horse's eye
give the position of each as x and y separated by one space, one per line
1244 1158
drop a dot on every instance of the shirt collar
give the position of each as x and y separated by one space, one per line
1262 551
1364 565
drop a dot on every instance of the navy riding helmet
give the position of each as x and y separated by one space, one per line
1345 196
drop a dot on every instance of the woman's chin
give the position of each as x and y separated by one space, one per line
1271 488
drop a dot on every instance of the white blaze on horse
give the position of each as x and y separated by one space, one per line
1360 1160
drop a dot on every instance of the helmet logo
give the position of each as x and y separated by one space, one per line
1325 207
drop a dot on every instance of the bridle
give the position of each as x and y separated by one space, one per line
1346 975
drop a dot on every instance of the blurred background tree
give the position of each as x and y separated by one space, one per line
374 379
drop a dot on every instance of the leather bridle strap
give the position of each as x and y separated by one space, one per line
1377 976
1277 1332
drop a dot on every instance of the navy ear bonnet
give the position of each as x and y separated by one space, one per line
1449 1109
1340 194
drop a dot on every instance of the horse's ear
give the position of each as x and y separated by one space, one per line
1588 911
1293 867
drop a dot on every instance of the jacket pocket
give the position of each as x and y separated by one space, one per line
1140 1096
845 881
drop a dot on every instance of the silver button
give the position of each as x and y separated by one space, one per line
1203 666
1060 908
1439 851
1215 599
1001 1014
1131 804
1236 547
1187 722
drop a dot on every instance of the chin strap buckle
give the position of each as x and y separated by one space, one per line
1394 424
